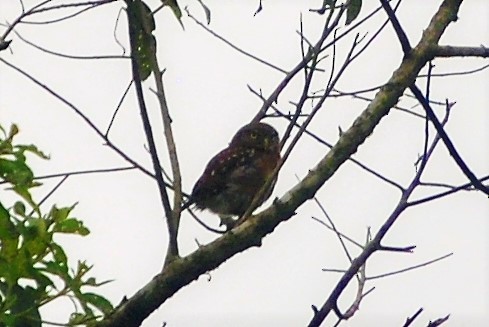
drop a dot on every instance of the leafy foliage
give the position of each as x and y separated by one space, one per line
34 268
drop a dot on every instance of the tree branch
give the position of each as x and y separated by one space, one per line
449 51
403 39
174 219
448 143
135 18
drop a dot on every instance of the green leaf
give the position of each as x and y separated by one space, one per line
32 149
93 282
99 302
59 255
57 269
16 172
77 318
14 130
353 10
19 208
143 24
71 226
175 8
7 228
59 266
8 237
42 282
6 143
25 308
36 237
60 214
23 191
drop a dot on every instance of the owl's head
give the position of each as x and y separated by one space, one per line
257 135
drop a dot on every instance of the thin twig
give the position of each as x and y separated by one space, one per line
424 264
58 185
313 52
410 320
338 234
84 172
112 119
438 322
39 9
440 195
465 72
81 115
360 97
336 231
448 143
248 54
403 39
68 56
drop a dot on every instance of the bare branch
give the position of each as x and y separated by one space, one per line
361 278
68 56
51 192
466 186
312 53
248 54
438 322
403 39
465 72
408 249
451 51
84 172
81 115
339 93
424 264
126 91
411 319
448 143
39 9
336 231
338 234
137 17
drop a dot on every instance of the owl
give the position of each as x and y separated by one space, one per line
234 176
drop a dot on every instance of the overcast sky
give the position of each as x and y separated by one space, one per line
206 84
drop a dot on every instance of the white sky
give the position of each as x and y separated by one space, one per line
206 84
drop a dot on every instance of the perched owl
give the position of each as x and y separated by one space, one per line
233 176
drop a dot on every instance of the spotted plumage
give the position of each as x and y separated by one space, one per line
233 177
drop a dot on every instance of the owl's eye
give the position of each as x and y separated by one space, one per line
253 135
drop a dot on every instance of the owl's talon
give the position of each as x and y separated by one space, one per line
227 221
